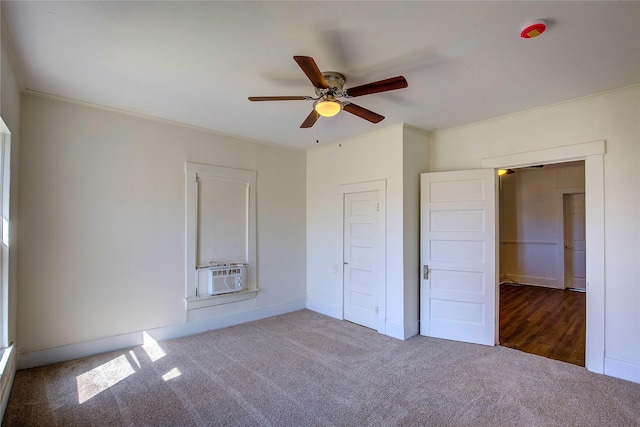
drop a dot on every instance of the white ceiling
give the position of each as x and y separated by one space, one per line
197 63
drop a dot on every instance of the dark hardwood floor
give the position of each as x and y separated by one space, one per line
543 321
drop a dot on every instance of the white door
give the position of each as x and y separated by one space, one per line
362 243
459 256
574 241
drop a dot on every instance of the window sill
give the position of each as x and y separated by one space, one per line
213 300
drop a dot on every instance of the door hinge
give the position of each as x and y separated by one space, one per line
378 207
425 272
376 309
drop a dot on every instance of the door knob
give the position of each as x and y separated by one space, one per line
568 247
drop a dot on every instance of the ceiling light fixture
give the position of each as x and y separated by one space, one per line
505 172
533 29
327 107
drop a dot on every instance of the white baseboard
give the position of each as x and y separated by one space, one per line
196 327
545 282
621 369
326 309
90 348
395 331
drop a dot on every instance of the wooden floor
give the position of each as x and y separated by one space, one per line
543 321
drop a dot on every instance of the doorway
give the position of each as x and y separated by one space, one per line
593 155
542 259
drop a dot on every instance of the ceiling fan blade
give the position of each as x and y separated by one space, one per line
393 83
311 119
278 98
363 113
312 71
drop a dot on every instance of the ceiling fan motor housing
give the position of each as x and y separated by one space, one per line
335 81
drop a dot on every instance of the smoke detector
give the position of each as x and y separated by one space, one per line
533 29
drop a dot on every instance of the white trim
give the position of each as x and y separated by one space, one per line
622 369
8 374
5 227
528 242
562 154
361 187
569 190
395 331
382 260
402 332
593 155
325 309
191 232
594 225
543 282
211 300
220 172
90 348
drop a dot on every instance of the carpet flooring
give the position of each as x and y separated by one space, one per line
305 369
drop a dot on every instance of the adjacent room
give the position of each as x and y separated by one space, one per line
543 260
320 213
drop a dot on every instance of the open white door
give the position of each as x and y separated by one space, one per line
459 256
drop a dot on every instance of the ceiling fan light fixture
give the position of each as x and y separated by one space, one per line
327 107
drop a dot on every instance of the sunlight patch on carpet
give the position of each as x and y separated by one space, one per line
152 348
133 357
102 377
174 373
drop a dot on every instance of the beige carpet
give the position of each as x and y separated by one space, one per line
305 369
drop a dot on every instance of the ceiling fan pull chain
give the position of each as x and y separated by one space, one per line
340 127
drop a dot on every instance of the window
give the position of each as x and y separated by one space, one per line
5 175
220 235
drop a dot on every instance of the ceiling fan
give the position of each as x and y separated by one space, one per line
329 89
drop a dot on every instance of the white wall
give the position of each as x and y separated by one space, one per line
532 223
615 118
102 205
379 155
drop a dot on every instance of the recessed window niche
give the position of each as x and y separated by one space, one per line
220 235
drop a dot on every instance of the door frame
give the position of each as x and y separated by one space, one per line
381 187
593 155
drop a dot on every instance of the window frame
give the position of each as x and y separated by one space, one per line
193 171
5 186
